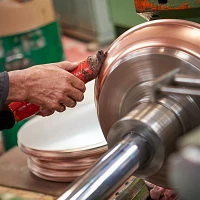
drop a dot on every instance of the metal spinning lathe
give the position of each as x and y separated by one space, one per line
147 97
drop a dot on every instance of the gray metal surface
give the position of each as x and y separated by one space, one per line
178 90
187 80
184 166
184 169
159 126
86 19
130 81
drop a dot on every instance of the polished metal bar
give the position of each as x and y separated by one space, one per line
111 171
178 90
187 80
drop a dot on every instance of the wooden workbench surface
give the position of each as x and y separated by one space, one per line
25 194
14 173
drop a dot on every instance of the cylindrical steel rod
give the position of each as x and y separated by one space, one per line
111 171
178 90
187 80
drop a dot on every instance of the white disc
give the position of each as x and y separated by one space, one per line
73 130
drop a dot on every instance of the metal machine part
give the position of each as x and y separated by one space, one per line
135 62
186 161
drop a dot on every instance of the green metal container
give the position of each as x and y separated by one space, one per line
40 46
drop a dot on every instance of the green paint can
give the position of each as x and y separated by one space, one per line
39 46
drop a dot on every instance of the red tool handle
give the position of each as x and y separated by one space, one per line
86 71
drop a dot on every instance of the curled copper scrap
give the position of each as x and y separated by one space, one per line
95 63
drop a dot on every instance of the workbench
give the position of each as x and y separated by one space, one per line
25 194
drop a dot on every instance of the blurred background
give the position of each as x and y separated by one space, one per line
37 32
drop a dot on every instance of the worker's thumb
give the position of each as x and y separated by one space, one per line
68 66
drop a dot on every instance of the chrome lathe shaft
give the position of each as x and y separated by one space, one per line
111 171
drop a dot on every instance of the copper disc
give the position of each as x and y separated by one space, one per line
134 61
54 173
70 166
55 155
55 179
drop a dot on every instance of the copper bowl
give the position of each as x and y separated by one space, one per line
60 155
133 62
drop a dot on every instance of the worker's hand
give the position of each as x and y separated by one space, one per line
50 86
159 193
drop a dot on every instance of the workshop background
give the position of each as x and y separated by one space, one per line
95 26
78 29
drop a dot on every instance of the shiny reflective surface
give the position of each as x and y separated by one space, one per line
140 69
178 34
123 89
187 80
112 170
58 149
70 165
60 155
55 174
119 95
157 125
61 166
134 61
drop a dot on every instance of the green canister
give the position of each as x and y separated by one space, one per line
39 46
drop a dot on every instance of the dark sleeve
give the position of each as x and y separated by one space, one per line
4 88
7 120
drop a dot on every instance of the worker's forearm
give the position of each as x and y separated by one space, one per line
49 86
17 90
